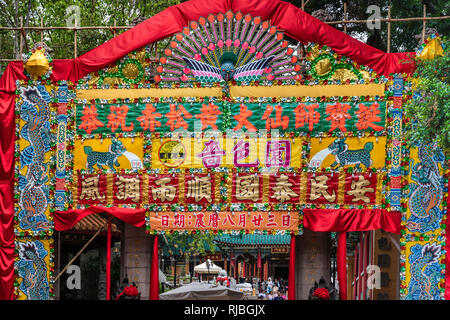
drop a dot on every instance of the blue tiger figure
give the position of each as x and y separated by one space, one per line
109 158
345 157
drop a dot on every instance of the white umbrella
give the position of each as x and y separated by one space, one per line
203 268
201 291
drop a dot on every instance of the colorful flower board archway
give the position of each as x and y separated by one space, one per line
237 132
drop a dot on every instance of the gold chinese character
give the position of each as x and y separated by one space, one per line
164 192
199 187
89 189
283 191
319 188
128 188
247 187
359 189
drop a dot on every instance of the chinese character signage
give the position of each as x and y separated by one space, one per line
204 190
191 154
178 221
221 115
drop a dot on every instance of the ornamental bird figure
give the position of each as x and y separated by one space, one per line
228 70
228 46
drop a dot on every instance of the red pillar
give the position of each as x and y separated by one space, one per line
291 280
154 273
258 262
266 270
108 261
341 257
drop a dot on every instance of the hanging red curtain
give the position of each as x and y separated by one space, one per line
345 220
447 247
65 220
108 261
291 280
341 257
154 273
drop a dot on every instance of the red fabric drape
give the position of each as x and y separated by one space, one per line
341 257
154 274
291 277
345 220
295 23
108 261
447 247
64 220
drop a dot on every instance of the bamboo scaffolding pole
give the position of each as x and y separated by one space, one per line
75 47
389 31
345 17
20 37
81 251
130 27
392 20
42 28
42 31
115 28
424 23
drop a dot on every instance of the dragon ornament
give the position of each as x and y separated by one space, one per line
426 190
34 191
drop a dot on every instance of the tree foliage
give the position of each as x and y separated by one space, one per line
190 245
429 110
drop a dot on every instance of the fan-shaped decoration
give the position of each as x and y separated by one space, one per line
324 64
226 47
134 68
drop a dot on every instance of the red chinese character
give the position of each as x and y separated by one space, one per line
175 117
242 119
337 114
179 220
257 220
306 114
279 121
228 219
165 220
118 117
89 119
214 220
271 222
367 115
242 220
199 221
208 115
148 119
286 220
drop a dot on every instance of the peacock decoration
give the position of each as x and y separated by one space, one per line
227 47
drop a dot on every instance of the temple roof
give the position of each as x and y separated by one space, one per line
91 223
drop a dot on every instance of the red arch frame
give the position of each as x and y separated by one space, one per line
295 23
